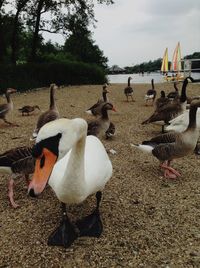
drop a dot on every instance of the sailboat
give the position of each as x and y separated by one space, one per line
164 67
175 67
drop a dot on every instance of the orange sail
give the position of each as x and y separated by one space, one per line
164 67
176 60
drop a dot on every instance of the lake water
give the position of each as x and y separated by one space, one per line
138 78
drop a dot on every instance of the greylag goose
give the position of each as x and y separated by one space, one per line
128 91
75 166
50 115
7 107
171 110
101 125
110 132
151 93
169 146
174 94
18 161
27 109
96 108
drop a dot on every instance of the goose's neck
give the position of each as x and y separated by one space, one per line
8 98
192 117
129 82
175 86
152 83
105 96
183 91
104 114
52 99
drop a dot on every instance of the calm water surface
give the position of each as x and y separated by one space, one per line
138 78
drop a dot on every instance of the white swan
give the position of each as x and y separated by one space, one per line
180 123
76 166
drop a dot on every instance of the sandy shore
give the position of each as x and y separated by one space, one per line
148 221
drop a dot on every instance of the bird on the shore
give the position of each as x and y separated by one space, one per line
100 125
151 94
172 145
27 109
49 115
173 94
75 166
7 107
17 162
96 108
128 91
171 110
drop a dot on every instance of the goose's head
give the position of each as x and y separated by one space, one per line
55 139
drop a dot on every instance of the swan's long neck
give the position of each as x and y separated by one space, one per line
73 180
52 99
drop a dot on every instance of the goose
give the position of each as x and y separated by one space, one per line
110 132
172 145
171 110
163 100
75 166
101 125
96 108
151 93
128 91
173 94
18 161
7 107
27 109
49 115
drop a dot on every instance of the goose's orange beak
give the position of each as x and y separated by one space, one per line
43 168
113 109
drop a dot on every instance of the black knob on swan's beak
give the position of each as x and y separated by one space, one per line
32 193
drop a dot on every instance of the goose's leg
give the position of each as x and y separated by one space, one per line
91 225
65 234
11 193
169 171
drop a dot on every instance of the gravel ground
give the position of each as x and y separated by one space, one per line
148 221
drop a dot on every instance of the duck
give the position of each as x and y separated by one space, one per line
75 166
17 162
96 108
7 107
163 100
171 110
27 109
172 145
100 125
151 93
128 91
173 94
49 115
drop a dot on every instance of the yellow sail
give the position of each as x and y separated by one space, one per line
164 67
176 60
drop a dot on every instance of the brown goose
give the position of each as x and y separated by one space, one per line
151 93
96 108
50 115
100 125
7 107
18 161
128 91
174 94
172 145
27 109
169 111
163 100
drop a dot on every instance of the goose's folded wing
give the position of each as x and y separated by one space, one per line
164 138
92 128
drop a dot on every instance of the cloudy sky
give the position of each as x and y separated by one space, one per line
134 31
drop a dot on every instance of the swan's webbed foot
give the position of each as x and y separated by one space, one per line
91 225
64 235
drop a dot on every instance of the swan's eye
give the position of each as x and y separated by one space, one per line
42 161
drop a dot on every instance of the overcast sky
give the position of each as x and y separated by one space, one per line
134 31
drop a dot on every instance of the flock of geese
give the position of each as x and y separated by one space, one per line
69 156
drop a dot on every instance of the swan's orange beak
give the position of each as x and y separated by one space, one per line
43 168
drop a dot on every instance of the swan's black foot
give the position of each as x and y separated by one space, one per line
91 225
64 235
